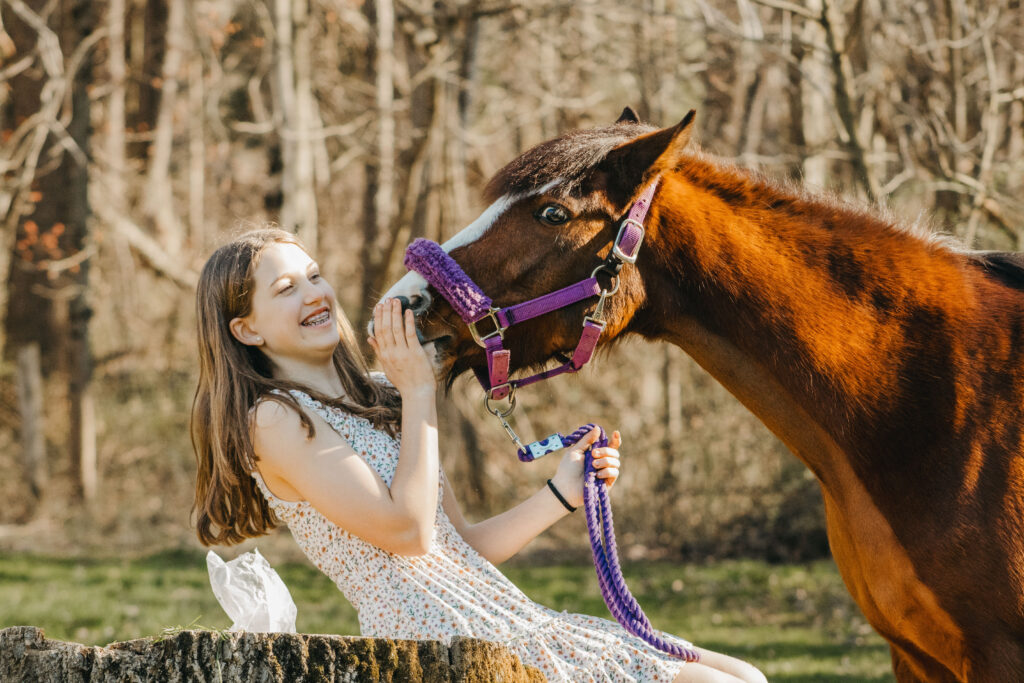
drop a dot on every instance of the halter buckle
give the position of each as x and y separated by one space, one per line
617 250
498 329
505 385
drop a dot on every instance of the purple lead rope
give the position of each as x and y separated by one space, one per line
601 530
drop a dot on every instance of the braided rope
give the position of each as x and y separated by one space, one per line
601 530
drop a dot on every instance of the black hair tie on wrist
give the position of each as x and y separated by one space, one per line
558 495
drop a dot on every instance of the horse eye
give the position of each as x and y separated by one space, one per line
553 214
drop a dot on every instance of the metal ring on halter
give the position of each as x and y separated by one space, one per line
497 412
615 279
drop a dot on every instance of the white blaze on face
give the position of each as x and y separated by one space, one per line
413 284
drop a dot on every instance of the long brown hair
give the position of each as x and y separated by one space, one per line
233 377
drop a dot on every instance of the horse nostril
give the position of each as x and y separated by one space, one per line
422 303
418 303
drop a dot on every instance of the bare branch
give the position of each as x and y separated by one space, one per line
154 254
789 7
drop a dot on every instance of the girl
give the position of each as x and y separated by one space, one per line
288 424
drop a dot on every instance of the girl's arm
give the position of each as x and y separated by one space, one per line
415 484
502 536
326 471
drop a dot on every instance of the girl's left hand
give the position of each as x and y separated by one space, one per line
569 477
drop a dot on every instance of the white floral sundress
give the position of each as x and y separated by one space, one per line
452 590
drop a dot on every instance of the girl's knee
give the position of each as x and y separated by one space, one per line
701 673
729 668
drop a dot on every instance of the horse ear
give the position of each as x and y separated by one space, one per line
628 116
681 136
631 162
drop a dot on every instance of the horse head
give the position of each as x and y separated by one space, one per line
552 218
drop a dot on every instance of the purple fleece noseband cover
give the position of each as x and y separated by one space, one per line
439 269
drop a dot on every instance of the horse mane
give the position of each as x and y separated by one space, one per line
739 185
1005 266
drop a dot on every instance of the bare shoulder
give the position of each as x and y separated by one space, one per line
271 414
278 435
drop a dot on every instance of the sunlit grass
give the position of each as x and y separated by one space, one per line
796 623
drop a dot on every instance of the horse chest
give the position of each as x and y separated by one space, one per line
883 581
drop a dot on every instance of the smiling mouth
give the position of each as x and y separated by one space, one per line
318 318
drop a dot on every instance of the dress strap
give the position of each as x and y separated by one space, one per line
331 417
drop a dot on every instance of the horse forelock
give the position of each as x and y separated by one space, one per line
567 159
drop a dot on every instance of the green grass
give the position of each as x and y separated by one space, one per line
796 623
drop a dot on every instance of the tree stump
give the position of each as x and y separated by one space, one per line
27 656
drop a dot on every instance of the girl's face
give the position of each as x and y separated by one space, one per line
292 315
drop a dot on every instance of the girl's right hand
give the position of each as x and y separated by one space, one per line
568 478
404 361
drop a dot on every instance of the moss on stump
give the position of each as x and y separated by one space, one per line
27 656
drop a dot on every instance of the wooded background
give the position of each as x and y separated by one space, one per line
136 135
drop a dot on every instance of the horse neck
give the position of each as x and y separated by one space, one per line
816 315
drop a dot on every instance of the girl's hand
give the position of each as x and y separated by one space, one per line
569 477
403 359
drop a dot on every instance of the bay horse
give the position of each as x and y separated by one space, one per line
888 360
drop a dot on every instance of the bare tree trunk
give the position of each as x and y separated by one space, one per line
34 106
30 403
54 229
815 84
379 194
196 156
993 135
1015 144
302 202
117 71
746 80
644 66
835 37
81 406
159 197
957 88
148 28
424 187
469 70
459 125
113 178
673 376
294 118
384 198
795 93
80 403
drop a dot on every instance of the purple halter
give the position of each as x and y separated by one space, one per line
473 306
